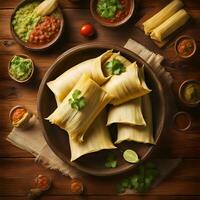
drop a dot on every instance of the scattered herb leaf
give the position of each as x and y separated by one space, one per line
142 180
115 67
108 8
111 161
76 101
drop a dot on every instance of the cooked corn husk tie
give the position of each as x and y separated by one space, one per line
126 86
64 83
170 25
46 7
161 16
97 138
127 113
77 122
143 134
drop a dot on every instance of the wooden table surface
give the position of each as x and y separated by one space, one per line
17 167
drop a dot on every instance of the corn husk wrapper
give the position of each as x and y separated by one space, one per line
97 138
77 122
170 25
46 7
64 83
126 86
127 113
143 134
161 16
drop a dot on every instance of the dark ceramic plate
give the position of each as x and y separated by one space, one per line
31 46
58 139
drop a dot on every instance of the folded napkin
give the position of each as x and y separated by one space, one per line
37 145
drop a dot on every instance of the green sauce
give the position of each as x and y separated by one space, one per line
192 92
25 20
108 8
20 68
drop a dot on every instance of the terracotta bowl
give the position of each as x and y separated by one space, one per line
58 139
185 37
32 72
93 11
30 46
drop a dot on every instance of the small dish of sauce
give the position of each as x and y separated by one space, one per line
185 46
19 117
182 121
112 13
189 92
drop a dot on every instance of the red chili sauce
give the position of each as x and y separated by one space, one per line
45 31
18 114
185 47
119 14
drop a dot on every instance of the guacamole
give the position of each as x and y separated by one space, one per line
20 68
192 92
25 20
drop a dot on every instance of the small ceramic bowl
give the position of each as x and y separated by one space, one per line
181 95
182 121
24 122
93 6
181 38
32 72
30 46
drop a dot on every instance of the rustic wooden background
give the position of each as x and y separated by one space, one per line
17 168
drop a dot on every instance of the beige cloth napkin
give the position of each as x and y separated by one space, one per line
32 139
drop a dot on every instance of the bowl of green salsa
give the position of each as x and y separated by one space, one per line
21 68
112 13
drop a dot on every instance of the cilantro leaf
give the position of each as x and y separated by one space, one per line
142 180
115 67
111 161
77 102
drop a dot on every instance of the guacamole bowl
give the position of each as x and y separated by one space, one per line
21 68
36 31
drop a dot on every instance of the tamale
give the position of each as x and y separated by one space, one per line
97 138
143 134
127 113
170 25
126 86
76 122
161 16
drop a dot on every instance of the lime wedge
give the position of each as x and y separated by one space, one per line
130 156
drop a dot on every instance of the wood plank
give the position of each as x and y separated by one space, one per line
62 3
18 180
103 197
85 4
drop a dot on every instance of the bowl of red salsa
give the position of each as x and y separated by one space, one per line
112 13
185 46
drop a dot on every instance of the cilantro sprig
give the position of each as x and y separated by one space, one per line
115 67
108 8
77 102
142 180
111 161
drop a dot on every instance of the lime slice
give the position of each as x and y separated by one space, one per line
130 156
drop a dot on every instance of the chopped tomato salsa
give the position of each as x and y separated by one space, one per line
18 114
42 182
45 31
113 11
185 47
